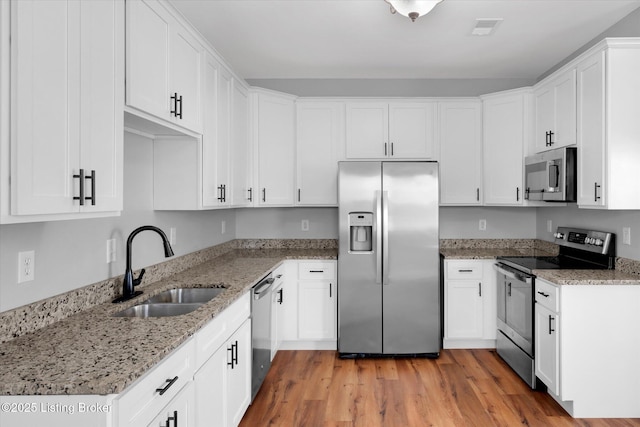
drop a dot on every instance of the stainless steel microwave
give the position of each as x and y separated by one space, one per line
551 176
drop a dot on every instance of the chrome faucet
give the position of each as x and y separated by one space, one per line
129 282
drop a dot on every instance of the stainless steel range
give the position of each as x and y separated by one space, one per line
578 249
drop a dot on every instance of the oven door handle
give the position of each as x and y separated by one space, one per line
508 272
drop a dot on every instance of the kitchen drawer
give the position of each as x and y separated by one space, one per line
316 270
142 402
218 330
464 269
547 295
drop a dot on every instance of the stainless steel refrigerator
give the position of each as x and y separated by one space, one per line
389 263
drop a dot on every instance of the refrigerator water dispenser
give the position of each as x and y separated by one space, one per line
360 229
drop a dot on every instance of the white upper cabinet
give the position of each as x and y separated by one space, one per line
383 130
274 139
555 112
412 130
163 66
461 153
319 142
66 108
241 192
195 173
506 118
608 126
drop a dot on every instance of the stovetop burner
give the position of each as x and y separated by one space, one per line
579 249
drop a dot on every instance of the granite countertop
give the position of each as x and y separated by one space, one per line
588 277
94 353
558 277
490 253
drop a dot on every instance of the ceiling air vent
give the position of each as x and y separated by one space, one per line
485 26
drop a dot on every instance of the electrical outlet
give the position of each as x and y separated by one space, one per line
549 226
223 227
26 266
482 225
111 250
626 235
172 236
305 225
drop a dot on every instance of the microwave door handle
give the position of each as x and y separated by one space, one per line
554 176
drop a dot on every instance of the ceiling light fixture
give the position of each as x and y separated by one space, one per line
412 8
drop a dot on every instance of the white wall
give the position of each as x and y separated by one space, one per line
72 254
502 223
455 223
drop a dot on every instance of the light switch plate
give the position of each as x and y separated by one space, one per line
172 236
111 250
482 225
626 235
305 225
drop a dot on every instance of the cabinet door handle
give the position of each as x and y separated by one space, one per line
179 115
509 288
81 178
250 198
479 289
280 296
220 196
174 109
551 330
517 194
543 294
330 290
264 194
595 191
551 142
231 361
170 382
92 177
385 148
235 356
478 194
174 419
392 149
298 195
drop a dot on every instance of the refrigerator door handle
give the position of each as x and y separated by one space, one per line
385 237
378 237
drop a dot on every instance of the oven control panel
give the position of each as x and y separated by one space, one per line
589 240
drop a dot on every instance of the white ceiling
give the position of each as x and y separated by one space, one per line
361 39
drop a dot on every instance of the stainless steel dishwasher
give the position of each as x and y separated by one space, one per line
260 332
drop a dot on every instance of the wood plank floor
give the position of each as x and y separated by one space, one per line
461 388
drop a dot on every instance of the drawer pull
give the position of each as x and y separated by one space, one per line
465 271
543 294
170 382
316 271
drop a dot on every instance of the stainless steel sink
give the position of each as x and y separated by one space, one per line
144 311
185 296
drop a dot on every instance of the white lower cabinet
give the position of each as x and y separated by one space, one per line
469 304
317 300
223 378
179 412
144 401
590 367
547 347
223 383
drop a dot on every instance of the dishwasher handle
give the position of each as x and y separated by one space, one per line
262 289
